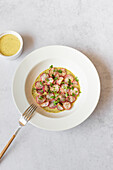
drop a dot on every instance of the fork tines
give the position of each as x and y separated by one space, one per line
29 112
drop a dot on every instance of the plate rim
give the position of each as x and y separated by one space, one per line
60 46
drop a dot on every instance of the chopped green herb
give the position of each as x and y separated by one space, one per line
52 97
33 88
60 71
56 94
65 87
79 93
62 82
49 91
72 83
76 91
55 70
68 87
72 87
51 66
76 78
40 82
51 84
69 81
47 80
41 97
57 101
66 94
55 78
41 90
73 94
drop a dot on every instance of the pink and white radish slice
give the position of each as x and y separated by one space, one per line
64 88
52 71
57 75
49 80
59 107
45 104
38 85
52 105
39 91
62 98
49 96
71 99
55 87
45 88
40 99
75 91
44 76
63 72
68 77
59 80
67 105
75 83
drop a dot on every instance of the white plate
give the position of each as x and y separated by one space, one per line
60 56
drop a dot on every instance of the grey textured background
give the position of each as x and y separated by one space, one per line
86 25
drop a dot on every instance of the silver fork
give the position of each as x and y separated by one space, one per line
26 116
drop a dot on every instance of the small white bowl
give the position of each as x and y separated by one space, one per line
12 57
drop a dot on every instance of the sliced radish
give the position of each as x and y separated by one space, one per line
64 88
49 80
39 91
55 87
45 104
75 83
52 71
52 105
38 85
63 72
40 99
57 74
68 77
75 91
45 88
71 99
62 98
59 107
67 105
59 80
50 96
44 76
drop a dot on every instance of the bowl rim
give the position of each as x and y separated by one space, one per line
52 124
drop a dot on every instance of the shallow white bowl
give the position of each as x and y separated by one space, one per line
61 56
12 57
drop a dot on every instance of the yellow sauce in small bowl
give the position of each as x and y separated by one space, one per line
9 45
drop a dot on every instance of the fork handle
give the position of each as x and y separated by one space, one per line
6 147
8 144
